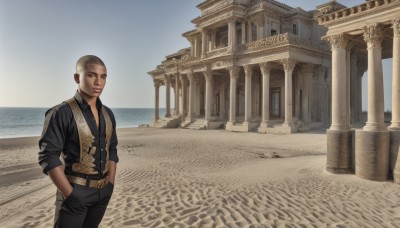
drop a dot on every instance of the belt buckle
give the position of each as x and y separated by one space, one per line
100 183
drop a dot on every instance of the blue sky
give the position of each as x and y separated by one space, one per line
40 41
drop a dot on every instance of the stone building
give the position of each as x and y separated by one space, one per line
252 65
360 37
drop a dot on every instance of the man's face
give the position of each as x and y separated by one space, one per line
91 79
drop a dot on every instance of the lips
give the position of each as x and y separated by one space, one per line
97 90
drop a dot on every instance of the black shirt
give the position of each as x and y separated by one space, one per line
60 134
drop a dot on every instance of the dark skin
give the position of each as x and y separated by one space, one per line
91 80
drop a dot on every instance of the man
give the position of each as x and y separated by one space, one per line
82 130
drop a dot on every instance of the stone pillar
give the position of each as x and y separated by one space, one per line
265 71
183 101
308 70
373 142
339 136
203 43
260 27
196 47
248 70
243 32
191 98
208 78
232 35
288 65
395 126
233 72
168 95
373 36
249 32
176 111
156 101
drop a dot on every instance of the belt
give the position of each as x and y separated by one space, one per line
88 182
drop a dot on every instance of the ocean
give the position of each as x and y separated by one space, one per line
25 122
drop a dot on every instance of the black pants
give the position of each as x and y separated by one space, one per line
85 207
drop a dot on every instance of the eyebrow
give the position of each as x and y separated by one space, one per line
91 72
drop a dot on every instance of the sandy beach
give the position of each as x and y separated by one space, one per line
189 178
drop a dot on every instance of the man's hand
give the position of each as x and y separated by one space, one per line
60 181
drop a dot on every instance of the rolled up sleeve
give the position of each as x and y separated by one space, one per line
52 140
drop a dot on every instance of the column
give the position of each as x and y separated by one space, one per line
308 70
183 97
396 76
373 35
157 100
203 43
395 126
249 32
191 47
340 138
168 95
339 82
348 83
248 70
208 78
243 32
372 144
265 71
213 38
232 34
260 27
288 65
196 47
176 111
233 72
191 98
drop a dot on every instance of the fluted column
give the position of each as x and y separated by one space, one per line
176 111
396 76
265 71
232 34
248 70
373 35
288 65
243 32
203 43
339 82
191 93
168 95
233 72
183 97
208 78
156 100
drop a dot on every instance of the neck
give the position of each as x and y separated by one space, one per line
89 99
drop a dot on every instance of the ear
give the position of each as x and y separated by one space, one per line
76 78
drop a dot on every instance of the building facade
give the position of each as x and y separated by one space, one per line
252 65
360 37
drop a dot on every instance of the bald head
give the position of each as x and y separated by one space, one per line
82 63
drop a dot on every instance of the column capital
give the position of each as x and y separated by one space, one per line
265 68
156 83
373 35
338 40
288 64
248 70
396 27
207 74
233 71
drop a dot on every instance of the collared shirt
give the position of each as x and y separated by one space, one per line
60 135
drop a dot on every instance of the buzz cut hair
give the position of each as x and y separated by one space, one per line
88 59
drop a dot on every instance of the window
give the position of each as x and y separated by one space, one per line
275 102
294 29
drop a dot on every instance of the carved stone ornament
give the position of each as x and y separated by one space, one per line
338 41
396 27
156 83
265 68
373 35
288 64
248 70
233 71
